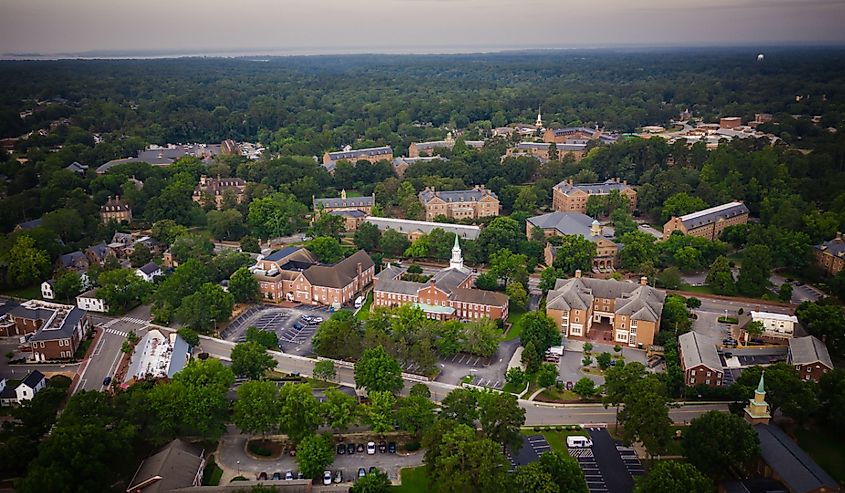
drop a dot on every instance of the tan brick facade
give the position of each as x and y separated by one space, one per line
115 210
830 255
215 190
460 204
709 227
572 197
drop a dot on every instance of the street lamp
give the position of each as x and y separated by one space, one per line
239 467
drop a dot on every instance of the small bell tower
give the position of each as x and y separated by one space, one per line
757 410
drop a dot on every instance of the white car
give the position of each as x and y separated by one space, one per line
371 448
327 477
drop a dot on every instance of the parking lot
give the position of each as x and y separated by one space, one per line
293 326
609 460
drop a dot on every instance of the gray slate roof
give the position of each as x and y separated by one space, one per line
398 286
280 254
100 250
406 226
65 330
835 247
340 274
76 167
633 300
69 259
542 146
568 223
602 188
473 195
174 467
790 463
808 350
713 214
348 213
697 349
348 202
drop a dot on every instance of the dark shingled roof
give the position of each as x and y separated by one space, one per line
340 274
835 247
280 254
71 258
64 331
33 379
149 268
473 195
790 463
30 224
175 466
602 188
348 202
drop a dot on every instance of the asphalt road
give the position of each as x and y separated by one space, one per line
106 355
535 413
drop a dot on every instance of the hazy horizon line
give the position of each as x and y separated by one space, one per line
166 53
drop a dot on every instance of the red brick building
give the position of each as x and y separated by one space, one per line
449 294
700 361
809 356
294 274
58 329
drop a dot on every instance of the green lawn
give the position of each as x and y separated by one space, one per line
212 474
515 319
557 439
826 449
414 480
31 292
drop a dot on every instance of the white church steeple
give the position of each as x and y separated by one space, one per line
539 122
457 260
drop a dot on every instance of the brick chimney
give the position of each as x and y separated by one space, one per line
359 269
644 281
577 273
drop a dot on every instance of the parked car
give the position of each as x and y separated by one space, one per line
299 475
327 477
106 381
391 447
362 472
360 448
262 476
338 476
382 447
277 476
288 476
341 449
371 448
350 448
297 326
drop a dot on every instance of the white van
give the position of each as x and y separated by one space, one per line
578 442
359 301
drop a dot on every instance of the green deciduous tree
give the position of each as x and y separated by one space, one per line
279 214
373 482
299 411
541 332
266 338
195 401
324 370
674 477
547 375
785 390
501 417
141 255
518 295
205 308
754 273
378 412
562 472
717 442
460 405
573 253
415 414
338 339
458 461
645 417
393 243
327 249
68 285
603 360
339 409
378 371
244 286
367 237
679 204
313 454
121 289
584 388
256 410
516 377
250 359
226 224
189 335
27 263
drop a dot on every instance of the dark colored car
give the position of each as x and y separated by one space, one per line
382 447
106 381
262 476
341 449
391 447
362 472
299 475
297 326
360 448
277 476
350 448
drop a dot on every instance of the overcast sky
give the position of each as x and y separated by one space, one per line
72 26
